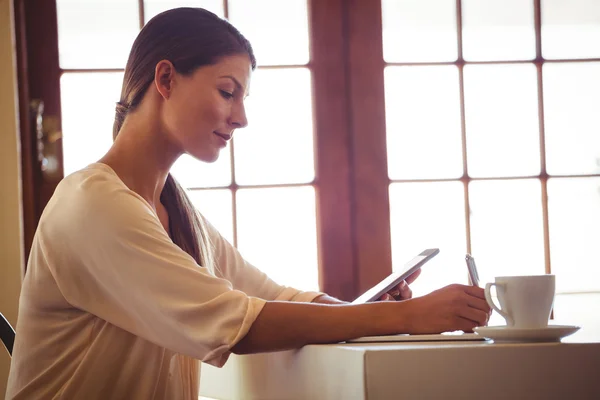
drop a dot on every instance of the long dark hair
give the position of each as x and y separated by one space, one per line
189 38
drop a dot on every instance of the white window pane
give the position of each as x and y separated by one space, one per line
96 33
277 30
277 233
501 114
571 104
419 30
581 310
88 112
422 108
153 7
506 228
498 30
574 221
429 215
192 173
277 146
570 29
216 207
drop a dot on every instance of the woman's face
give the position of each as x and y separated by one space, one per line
204 108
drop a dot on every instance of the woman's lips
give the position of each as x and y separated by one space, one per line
223 136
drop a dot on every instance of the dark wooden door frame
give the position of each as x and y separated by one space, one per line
38 74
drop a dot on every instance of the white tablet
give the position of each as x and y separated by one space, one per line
396 277
456 336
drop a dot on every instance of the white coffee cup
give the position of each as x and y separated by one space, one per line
525 301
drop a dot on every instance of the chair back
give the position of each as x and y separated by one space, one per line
7 334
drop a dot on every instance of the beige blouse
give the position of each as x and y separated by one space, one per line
111 308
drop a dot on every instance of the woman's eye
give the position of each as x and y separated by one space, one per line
226 94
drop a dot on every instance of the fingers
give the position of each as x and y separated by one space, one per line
476 299
405 291
411 278
478 317
479 304
474 291
400 292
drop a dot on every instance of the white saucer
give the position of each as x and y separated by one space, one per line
551 333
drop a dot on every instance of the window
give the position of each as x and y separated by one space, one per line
493 140
467 125
260 187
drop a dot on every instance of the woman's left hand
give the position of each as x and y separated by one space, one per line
402 291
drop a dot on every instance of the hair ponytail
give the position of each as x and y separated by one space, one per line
187 227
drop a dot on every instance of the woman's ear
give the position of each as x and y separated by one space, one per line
164 73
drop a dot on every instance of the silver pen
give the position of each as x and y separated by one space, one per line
473 275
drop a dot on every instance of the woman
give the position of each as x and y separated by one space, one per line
127 286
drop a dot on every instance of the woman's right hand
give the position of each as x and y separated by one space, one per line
451 308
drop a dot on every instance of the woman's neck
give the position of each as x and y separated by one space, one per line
142 157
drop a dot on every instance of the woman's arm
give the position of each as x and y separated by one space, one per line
247 278
327 299
284 325
288 325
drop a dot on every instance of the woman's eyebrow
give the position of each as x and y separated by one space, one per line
237 83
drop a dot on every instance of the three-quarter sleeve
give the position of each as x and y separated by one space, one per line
246 277
112 258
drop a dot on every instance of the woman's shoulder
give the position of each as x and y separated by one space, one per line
93 191
93 177
92 184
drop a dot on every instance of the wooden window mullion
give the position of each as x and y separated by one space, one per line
370 187
336 246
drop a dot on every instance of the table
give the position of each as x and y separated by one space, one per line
415 370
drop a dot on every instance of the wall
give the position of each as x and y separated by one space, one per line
10 189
